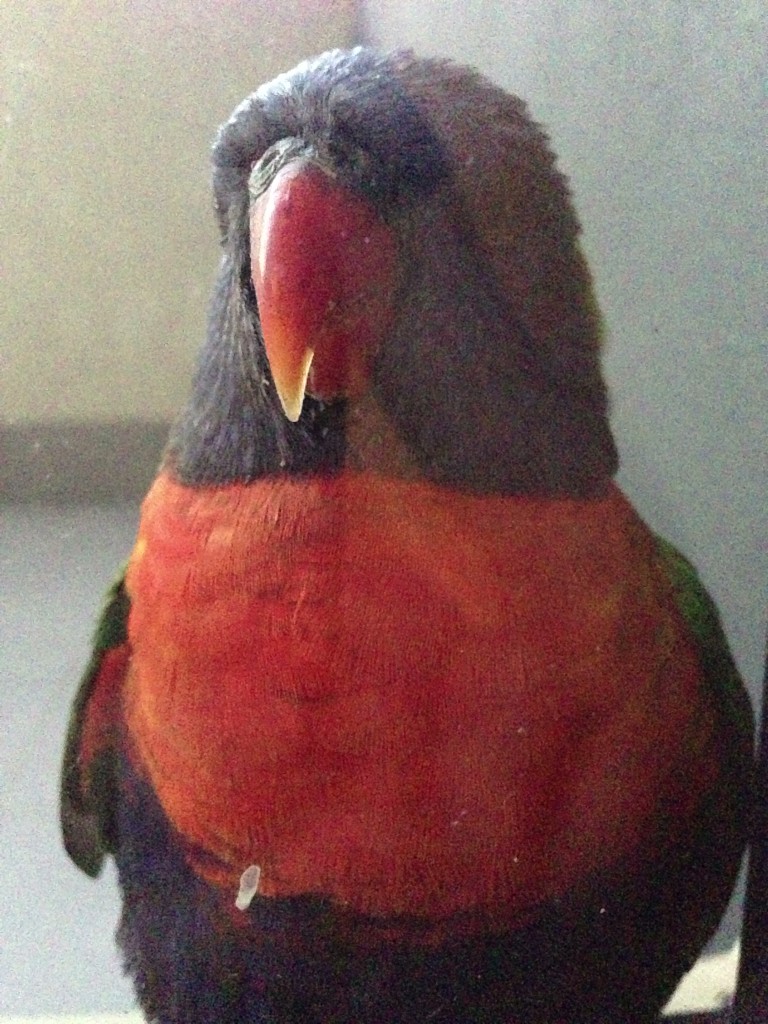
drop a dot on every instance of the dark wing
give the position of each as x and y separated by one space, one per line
720 671
87 778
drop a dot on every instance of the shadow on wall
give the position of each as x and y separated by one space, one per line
79 463
109 245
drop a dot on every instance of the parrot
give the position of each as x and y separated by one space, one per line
398 711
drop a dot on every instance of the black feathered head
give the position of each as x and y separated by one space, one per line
398 240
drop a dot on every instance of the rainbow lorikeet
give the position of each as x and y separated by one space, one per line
399 712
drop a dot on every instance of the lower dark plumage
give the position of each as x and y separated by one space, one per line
298 961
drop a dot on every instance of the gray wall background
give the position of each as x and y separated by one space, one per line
108 250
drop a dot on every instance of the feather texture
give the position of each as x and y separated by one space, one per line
400 712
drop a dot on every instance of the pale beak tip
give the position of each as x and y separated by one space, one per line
292 409
291 392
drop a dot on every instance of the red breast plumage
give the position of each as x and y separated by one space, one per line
296 705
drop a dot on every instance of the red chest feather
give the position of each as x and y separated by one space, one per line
409 700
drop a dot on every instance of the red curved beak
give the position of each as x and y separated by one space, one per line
323 265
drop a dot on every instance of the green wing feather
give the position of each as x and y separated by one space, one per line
719 833
86 803
720 672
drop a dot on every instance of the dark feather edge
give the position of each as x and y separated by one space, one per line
85 813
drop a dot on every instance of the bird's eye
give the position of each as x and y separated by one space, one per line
270 162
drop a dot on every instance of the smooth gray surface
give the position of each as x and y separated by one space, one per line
79 463
57 952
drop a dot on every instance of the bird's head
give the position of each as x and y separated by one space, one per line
397 237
